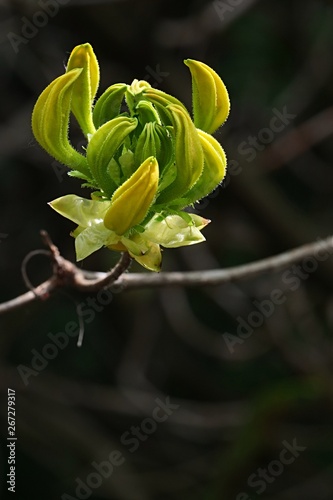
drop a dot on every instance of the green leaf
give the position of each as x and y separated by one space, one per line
108 105
50 120
156 140
213 172
127 163
210 98
147 113
188 155
86 85
161 101
147 145
167 177
114 172
103 146
78 175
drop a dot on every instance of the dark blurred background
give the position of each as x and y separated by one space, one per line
246 383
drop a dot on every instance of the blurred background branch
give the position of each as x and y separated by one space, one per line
245 368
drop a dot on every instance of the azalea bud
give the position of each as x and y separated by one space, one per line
210 98
144 164
86 85
50 120
132 200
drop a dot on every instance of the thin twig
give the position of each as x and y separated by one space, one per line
237 273
43 290
67 274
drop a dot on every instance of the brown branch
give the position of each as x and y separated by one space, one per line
66 274
236 273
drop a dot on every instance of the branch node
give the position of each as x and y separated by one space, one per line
49 243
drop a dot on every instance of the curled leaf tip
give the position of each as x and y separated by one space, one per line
86 85
210 99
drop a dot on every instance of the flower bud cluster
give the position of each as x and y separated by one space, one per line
146 160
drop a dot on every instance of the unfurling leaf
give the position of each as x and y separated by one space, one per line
214 168
210 98
108 105
188 155
86 85
50 119
102 148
